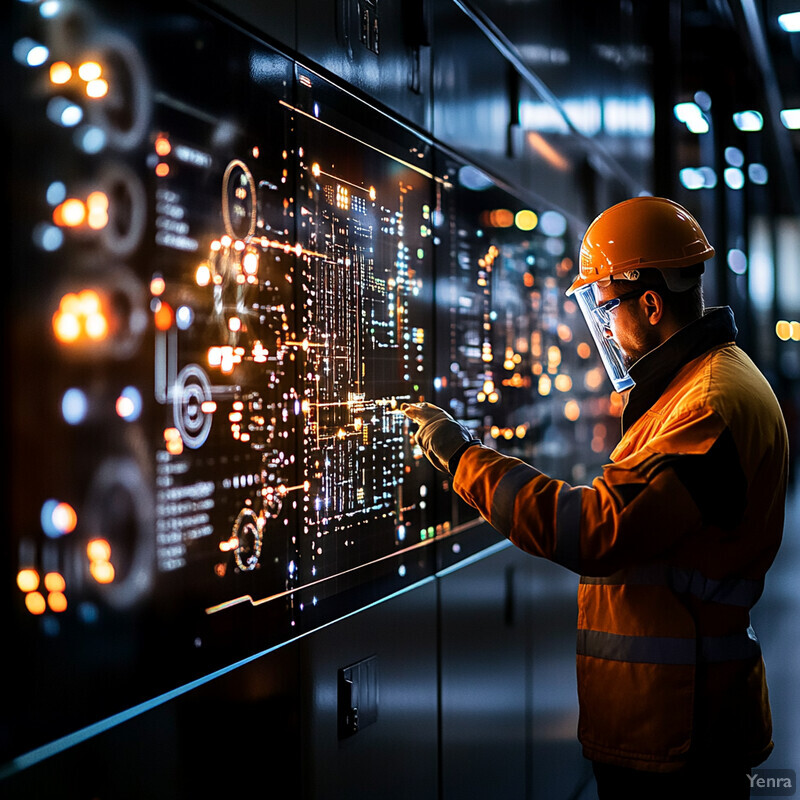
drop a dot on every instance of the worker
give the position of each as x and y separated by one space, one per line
672 541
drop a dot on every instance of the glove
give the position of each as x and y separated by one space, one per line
441 438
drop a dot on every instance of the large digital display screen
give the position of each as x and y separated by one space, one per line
515 360
227 276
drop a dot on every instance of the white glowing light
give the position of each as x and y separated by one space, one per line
129 404
734 178
748 120
790 22
30 53
758 174
692 178
63 112
91 139
790 117
553 223
737 261
184 317
734 156
691 115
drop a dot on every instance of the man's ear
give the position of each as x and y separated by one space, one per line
653 305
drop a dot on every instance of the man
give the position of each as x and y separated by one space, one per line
674 538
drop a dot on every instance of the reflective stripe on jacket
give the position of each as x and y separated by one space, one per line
672 541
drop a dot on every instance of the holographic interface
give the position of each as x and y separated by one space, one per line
228 275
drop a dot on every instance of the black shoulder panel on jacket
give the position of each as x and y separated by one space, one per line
715 480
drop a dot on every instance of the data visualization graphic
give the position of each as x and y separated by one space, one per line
228 276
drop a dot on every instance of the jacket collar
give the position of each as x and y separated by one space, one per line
653 372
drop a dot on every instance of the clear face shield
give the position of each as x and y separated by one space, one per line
598 318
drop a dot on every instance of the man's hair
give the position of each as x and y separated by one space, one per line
686 305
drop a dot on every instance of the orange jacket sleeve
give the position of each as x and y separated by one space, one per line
636 510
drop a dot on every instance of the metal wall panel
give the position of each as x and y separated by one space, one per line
395 757
381 49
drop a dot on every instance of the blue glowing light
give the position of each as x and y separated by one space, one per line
74 406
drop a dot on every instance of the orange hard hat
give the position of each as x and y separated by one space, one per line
641 233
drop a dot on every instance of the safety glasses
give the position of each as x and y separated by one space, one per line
603 310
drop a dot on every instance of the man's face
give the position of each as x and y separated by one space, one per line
628 322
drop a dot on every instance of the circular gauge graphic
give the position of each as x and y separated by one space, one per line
239 204
123 114
119 520
247 534
192 389
127 210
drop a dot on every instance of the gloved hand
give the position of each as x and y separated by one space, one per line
439 435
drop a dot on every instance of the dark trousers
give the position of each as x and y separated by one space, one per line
696 780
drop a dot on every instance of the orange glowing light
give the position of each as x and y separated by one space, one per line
96 326
35 603
97 208
102 571
544 386
163 317
124 407
57 602
28 580
553 356
203 275
60 72
572 410
594 378
97 88
69 214
89 71
98 550
157 286
173 441
250 263
89 302
64 518
163 146
501 218
584 351
54 582
80 314
66 327
549 153
162 169
563 383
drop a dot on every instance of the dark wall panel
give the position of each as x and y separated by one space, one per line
394 753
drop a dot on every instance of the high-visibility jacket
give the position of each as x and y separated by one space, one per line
672 541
